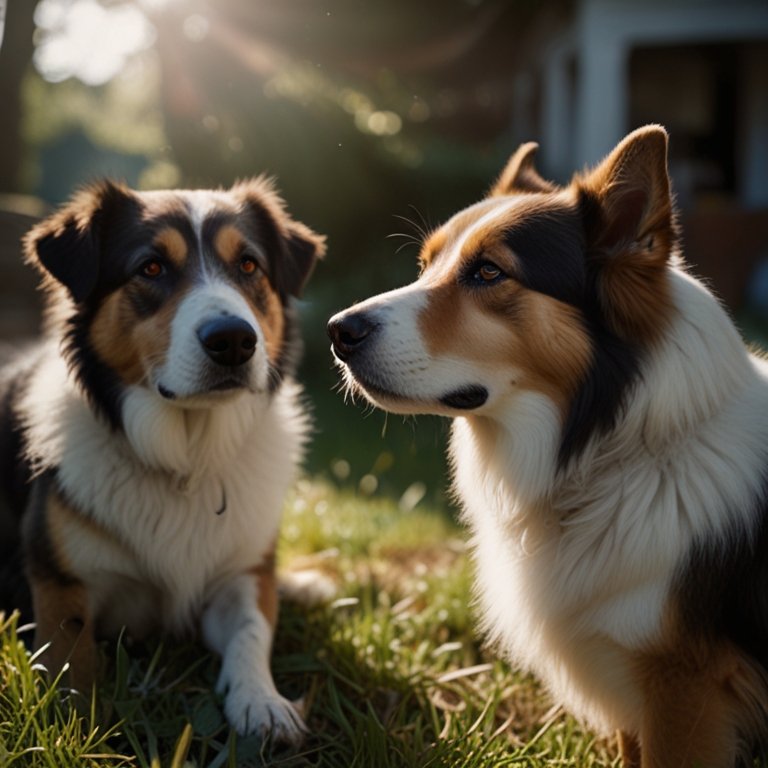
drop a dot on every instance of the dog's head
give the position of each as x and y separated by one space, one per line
554 291
187 293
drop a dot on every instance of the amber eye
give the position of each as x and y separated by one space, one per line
488 272
152 268
248 266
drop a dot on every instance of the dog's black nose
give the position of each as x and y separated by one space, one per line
228 340
348 332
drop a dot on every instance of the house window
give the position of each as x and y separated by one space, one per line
694 91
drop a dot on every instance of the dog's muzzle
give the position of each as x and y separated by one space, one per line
349 332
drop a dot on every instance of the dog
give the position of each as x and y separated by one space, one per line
148 440
609 448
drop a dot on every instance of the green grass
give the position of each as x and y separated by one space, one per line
393 672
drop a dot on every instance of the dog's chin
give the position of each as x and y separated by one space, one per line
460 400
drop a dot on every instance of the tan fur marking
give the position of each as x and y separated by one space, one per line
702 700
696 706
63 619
448 234
556 348
62 609
634 234
634 291
266 582
520 174
537 336
128 344
271 321
484 243
173 245
432 247
66 524
228 243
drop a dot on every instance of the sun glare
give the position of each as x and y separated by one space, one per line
83 39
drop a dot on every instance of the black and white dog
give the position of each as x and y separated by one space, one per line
147 443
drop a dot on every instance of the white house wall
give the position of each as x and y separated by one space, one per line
603 34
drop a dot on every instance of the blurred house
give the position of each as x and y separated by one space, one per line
592 70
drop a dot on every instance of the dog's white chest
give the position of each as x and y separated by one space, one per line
167 532
559 601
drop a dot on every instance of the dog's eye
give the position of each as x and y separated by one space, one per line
152 268
248 266
487 272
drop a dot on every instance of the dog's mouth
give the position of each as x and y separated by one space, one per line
464 398
370 388
226 384
221 386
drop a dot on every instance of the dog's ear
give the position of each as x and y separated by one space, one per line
292 247
67 245
631 230
631 189
305 247
520 174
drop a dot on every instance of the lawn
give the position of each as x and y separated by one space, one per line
392 670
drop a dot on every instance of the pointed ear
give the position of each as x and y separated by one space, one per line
67 245
631 189
631 231
520 174
305 247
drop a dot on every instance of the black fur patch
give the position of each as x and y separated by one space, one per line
550 248
722 592
40 556
553 249
102 386
15 473
722 588
602 396
560 264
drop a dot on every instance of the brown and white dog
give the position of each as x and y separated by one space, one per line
609 447
147 444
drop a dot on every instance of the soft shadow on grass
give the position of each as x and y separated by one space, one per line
391 671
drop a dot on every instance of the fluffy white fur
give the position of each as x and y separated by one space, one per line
169 557
235 628
568 592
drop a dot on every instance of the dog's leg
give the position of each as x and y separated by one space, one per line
238 623
692 715
60 601
63 622
629 750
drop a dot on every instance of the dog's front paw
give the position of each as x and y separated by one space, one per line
265 714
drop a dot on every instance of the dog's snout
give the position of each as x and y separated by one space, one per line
348 332
228 340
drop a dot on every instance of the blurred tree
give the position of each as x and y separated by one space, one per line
16 50
364 110
359 108
403 72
